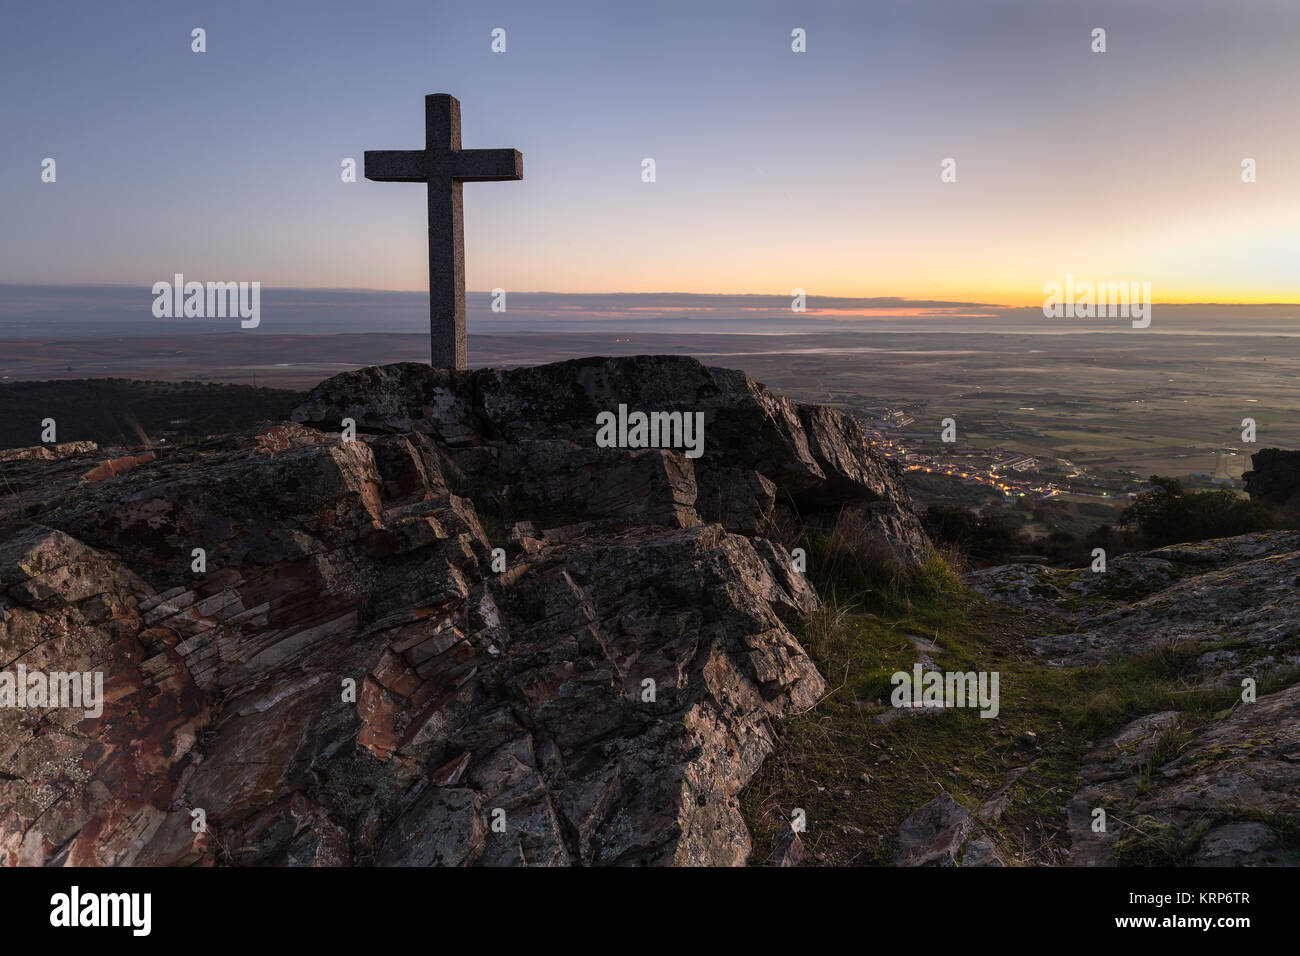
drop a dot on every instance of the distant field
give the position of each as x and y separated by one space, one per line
1169 404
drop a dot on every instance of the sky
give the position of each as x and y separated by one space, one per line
775 170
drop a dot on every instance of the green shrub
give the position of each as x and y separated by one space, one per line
1169 515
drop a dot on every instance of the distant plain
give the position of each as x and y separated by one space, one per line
1155 403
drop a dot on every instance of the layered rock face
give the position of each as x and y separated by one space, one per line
525 439
469 636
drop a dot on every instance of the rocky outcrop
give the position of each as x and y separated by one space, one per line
1274 477
1233 598
468 636
1180 787
526 437
1225 798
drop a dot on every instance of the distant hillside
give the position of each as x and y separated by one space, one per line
109 410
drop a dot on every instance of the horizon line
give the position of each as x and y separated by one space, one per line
904 299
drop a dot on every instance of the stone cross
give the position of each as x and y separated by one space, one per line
443 166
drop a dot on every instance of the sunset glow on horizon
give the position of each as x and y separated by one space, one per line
775 170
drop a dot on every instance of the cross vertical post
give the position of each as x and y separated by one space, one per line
444 166
446 234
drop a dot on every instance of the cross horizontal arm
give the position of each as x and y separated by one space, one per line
487 165
397 165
